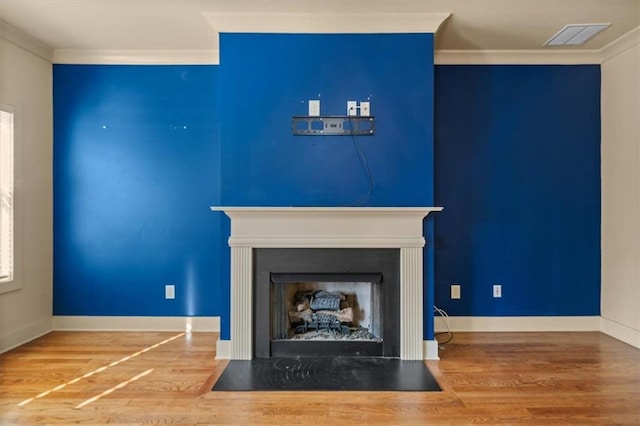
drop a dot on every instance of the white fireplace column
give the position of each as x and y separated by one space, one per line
325 227
241 302
411 312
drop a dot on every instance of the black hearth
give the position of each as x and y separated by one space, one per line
326 302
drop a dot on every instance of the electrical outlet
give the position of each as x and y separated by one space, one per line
352 108
314 108
497 290
169 291
365 109
455 291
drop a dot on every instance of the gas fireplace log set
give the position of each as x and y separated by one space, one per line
321 310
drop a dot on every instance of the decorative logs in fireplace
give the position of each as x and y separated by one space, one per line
321 310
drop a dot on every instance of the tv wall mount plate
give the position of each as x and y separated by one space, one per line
333 125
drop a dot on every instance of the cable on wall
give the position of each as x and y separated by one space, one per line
449 333
365 165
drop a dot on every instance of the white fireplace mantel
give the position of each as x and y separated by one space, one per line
326 227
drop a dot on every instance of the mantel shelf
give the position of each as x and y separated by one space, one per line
327 226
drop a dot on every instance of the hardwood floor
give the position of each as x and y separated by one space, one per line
491 378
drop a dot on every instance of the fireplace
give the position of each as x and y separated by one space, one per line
261 231
326 302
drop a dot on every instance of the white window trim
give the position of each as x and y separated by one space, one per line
7 282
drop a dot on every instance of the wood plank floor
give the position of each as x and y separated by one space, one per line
490 378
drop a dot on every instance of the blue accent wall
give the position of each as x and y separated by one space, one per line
136 165
517 153
265 79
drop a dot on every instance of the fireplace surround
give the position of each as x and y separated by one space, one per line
326 227
286 283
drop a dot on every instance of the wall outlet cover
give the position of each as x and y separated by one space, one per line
455 291
365 109
314 108
170 291
497 290
352 108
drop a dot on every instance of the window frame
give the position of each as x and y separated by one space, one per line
7 161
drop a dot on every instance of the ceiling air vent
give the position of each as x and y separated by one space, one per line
575 34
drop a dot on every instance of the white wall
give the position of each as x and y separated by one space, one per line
620 301
26 84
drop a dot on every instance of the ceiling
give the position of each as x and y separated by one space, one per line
181 24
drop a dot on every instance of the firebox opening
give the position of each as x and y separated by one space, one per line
326 307
326 302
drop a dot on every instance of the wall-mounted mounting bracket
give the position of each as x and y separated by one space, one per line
333 125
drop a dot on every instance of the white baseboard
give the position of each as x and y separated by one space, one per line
515 324
223 349
25 334
91 323
431 350
620 332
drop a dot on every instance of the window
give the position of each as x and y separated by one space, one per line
6 193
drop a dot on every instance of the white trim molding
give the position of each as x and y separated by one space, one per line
25 334
431 350
620 331
622 44
223 349
535 324
546 56
554 56
8 287
519 324
318 22
25 41
137 57
128 323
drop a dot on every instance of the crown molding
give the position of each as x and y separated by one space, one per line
211 57
137 56
554 56
324 22
321 23
23 40
616 47
517 57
